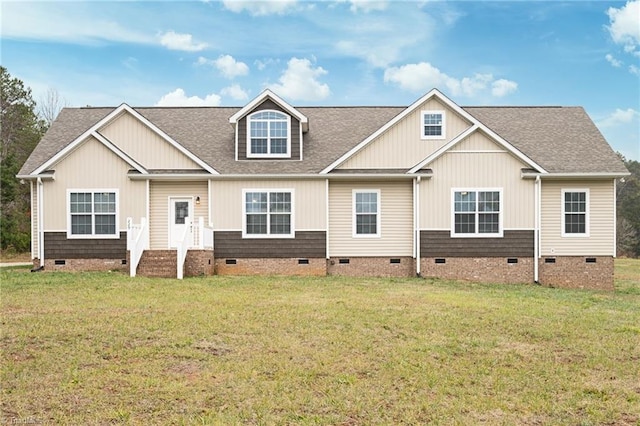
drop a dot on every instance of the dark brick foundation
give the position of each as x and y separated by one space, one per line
585 272
484 269
78 265
199 263
286 266
372 266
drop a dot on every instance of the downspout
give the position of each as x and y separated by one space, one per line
615 219
416 219
40 191
536 232
326 205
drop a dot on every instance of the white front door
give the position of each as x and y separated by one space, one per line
179 209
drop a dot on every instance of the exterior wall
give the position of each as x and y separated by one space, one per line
199 263
479 269
306 244
594 273
144 145
284 266
92 166
57 246
295 133
159 193
372 266
401 146
512 244
396 209
600 241
309 202
477 170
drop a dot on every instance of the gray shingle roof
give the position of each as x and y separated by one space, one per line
560 139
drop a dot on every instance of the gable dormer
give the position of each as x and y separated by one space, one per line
268 128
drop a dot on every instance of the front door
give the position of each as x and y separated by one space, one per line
179 209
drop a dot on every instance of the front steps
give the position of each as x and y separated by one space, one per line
158 263
164 263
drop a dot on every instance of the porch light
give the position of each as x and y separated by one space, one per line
197 200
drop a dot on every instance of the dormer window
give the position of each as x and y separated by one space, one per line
269 134
432 124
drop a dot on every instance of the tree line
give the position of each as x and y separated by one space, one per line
23 123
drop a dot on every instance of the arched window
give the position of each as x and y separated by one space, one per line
268 134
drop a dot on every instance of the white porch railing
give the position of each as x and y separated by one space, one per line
137 242
183 245
202 235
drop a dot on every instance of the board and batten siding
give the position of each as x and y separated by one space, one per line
475 169
159 194
144 145
309 202
401 145
396 235
600 241
92 166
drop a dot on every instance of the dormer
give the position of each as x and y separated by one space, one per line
268 128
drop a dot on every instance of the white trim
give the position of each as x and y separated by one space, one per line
148 207
443 149
443 128
586 213
106 142
478 151
110 117
574 175
536 229
210 204
417 224
326 207
40 192
615 219
287 118
477 234
93 235
292 222
259 99
378 233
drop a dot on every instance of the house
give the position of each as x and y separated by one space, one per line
494 194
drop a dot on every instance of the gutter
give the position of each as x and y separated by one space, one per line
346 176
606 175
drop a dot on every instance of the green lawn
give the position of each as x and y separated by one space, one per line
102 348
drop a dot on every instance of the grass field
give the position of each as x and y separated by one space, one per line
102 348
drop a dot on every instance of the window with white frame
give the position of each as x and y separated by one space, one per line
92 214
432 125
268 134
477 213
268 213
366 213
575 212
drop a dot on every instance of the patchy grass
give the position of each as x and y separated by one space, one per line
101 348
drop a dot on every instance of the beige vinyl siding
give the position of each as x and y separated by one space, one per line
477 141
92 166
159 193
477 170
401 146
601 220
33 186
396 209
144 145
309 202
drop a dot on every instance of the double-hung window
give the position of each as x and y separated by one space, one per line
268 213
477 213
366 213
575 212
268 134
432 125
92 214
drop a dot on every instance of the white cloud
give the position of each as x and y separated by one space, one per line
368 5
618 117
176 41
502 87
300 81
231 68
613 61
235 92
625 26
179 98
423 76
634 70
262 64
260 8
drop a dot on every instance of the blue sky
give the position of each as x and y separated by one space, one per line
334 53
